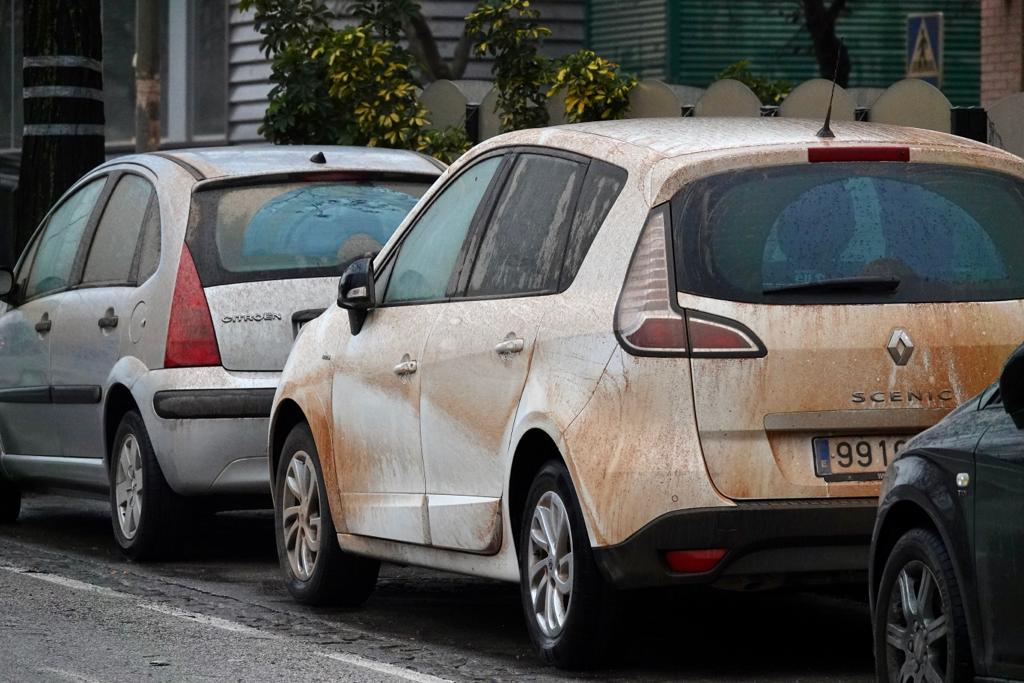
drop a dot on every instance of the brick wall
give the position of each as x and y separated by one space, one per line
1002 49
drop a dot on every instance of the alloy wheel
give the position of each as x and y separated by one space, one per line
128 487
916 628
550 564
300 510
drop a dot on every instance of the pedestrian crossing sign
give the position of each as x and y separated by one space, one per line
924 47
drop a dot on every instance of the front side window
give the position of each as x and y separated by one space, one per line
430 253
851 232
290 230
60 240
117 235
524 245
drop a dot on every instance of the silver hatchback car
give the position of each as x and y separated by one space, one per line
143 331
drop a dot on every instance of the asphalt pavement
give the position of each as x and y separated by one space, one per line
72 609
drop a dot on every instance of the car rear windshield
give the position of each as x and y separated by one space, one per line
284 230
851 232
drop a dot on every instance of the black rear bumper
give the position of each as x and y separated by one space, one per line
781 538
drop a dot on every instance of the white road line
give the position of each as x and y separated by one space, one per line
69 675
66 582
222 624
381 667
216 622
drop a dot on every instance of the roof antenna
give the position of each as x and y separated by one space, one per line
826 130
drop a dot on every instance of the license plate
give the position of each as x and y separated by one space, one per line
846 458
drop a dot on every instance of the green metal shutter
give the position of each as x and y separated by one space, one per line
708 35
633 34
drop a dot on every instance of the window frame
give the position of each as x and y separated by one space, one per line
78 264
113 180
382 278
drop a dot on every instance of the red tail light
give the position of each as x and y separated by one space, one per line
191 340
646 322
858 154
694 561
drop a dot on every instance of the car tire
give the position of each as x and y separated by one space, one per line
919 619
316 570
147 515
568 606
10 502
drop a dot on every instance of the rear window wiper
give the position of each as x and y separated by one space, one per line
864 283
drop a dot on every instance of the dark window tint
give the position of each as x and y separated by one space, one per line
945 233
524 245
429 254
293 230
600 190
117 235
149 248
60 240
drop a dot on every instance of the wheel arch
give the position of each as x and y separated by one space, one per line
907 507
535 449
119 401
287 415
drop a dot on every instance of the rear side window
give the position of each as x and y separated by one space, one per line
112 253
524 245
60 241
291 230
602 187
943 233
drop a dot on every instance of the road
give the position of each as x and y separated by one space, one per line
71 609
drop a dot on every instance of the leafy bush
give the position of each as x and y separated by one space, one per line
374 76
594 88
767 90
508 31
353 86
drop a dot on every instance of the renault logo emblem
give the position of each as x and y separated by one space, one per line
900 347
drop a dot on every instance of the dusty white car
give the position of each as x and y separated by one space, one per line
645 353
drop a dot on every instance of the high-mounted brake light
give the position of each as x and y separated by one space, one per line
191 340
694 561
877 153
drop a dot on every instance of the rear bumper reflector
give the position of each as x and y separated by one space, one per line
694 561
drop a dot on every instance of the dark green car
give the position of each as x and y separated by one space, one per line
947 555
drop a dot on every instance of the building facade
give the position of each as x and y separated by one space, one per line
1002 49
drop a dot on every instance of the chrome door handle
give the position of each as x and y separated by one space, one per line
511 344
406 367
45 324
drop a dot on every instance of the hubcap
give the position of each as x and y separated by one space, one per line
128 487
550 572
917 628
300 512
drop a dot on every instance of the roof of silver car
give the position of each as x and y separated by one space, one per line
219 162
678 136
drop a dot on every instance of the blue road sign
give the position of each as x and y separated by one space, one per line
924 47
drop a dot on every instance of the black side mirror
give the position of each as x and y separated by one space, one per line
356 292
1011 387
6 283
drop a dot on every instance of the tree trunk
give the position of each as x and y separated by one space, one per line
147 76
831 54
63 104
